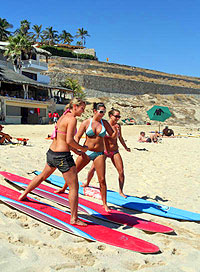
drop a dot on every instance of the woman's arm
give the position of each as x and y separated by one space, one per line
121 139
70 136
111 132
81 130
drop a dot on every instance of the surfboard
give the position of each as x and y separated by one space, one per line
88 207
60 219
131 202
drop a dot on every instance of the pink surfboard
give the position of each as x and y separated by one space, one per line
89 207
61 220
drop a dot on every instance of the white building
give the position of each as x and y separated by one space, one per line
31 64
25 95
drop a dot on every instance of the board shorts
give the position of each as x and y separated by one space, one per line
93 154
61 160
110 154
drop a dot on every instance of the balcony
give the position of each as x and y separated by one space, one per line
34 65
43 79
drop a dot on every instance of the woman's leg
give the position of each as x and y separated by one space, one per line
89 176
2 139
37 180
99 164
118 163
72 180
81 162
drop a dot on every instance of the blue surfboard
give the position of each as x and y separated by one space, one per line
134 203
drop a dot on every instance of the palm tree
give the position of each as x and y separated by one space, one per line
4 33
24 28
17 45
74 85
66 37
79 43
82 34
38 32
50 35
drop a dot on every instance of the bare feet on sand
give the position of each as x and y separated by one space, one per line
78 222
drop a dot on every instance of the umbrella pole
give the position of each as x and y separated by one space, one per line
159 128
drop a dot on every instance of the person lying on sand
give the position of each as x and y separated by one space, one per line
143 139
4 137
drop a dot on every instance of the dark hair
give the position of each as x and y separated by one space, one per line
142 132
96 106
111 112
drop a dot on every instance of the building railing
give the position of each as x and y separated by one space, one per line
7 64
35 63
28 100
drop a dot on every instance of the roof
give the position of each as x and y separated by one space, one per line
38 50
41 51
69 46
9 76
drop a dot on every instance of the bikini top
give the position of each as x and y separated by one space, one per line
90 132
54 134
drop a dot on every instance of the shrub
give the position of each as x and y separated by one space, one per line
65 53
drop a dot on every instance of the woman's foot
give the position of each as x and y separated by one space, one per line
59 191
85 184
78 222
22 197
122 194
106 208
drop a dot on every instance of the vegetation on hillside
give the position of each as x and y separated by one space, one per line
48 37
74 85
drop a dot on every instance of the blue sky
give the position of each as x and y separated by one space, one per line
162 35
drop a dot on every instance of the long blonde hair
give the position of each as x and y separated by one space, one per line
74 101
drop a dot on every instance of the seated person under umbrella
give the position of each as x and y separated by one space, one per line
167 132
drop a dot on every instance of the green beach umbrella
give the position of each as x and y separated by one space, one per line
159 113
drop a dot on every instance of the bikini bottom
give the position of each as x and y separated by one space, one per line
93 154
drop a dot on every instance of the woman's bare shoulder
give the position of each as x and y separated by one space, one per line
85 122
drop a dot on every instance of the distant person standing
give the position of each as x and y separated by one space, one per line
50 115
55 117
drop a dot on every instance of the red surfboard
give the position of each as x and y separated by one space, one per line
89 206
61 220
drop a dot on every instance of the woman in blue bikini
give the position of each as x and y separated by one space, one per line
95 130
112 150
59 156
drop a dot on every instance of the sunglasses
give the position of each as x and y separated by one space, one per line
117 116
101 111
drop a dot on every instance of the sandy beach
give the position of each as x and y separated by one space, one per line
167 173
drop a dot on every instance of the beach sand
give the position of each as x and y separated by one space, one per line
168 173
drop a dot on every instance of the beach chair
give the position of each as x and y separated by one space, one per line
129 121
22 141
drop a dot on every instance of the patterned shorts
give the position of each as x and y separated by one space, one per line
61 160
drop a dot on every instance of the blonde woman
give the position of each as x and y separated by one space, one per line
59 156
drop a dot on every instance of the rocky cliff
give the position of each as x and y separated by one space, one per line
138 89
